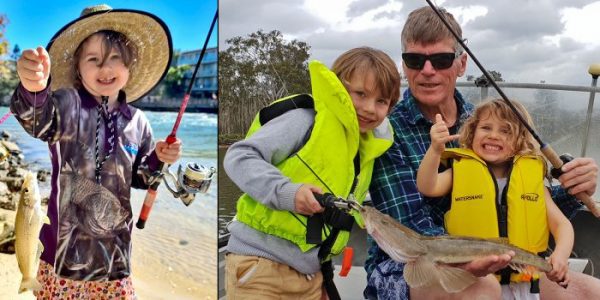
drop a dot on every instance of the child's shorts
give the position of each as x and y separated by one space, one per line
55 287
254 277
518 291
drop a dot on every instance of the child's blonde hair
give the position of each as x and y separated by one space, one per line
522 141
364 59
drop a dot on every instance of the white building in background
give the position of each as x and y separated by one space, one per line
206 84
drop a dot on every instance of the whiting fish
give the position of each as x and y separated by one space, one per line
28 223
427 258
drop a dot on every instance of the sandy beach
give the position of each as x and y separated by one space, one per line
174 257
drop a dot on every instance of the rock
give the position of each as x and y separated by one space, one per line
3 189
7 241
14 183
42 175
8 202
11 147
5 135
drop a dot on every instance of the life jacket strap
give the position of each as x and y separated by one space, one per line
328 283
277 109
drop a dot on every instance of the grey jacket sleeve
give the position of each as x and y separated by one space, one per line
250 163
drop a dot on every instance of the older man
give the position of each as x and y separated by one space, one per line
432 61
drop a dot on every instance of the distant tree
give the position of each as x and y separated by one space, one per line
475 95
3 41
16 52
175 80
256 70
8 67
8 78
482 80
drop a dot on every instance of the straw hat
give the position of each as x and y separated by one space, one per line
149 34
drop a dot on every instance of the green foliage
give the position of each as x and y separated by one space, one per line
497 76
175 80
16 52
3 41
256 70
8 68
8 78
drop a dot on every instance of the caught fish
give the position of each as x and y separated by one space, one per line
427 258
28 223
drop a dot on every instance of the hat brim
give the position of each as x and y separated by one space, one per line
149 34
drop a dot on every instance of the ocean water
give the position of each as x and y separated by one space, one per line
178 244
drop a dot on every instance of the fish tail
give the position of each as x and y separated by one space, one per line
30 284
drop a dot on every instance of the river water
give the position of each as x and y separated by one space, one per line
178 246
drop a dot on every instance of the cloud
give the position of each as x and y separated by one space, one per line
529 41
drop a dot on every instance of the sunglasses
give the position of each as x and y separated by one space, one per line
440 61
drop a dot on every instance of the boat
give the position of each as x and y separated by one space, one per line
545 108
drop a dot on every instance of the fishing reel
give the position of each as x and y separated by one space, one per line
187 183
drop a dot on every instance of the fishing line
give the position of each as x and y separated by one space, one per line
5 117
545 148
556 161
172 138
487 75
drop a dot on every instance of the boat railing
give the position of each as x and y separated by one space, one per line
588 256
592 90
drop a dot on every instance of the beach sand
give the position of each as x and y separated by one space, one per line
174 257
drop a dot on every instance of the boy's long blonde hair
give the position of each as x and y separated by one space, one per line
522 141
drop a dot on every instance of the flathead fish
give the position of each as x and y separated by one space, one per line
428 259
28 223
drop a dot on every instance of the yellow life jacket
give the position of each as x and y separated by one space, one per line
326 160
475 211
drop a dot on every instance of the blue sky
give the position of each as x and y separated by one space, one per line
34 22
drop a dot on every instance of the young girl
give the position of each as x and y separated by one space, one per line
99 145
496 185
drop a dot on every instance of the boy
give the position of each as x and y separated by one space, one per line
329 145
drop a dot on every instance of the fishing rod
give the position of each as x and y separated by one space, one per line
195 178
556 161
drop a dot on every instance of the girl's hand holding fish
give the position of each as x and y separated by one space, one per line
560 269
168 153
33 68
488 264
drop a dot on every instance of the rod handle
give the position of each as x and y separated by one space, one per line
552 157
171 139
146 208
557 162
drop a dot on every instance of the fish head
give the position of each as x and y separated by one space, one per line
399 242
30 191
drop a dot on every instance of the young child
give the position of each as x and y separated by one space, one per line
297 147
496 185
100 146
